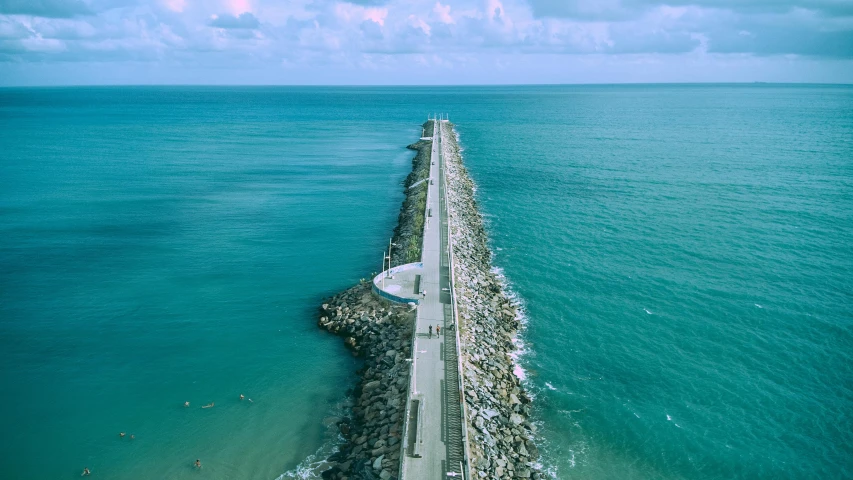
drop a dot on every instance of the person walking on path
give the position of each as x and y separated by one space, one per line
437 331
430 331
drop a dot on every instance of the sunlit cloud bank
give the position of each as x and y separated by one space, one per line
423 41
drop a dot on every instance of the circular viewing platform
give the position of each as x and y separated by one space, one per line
400 284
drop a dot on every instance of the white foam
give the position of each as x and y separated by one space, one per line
645 310
315 464
668 417
550 387
310 468
759 306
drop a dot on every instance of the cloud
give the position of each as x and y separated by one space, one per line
442 12
45 8
615 10
243 21
455 35
368 3
795 33
821 28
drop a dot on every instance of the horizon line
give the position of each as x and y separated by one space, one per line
377 85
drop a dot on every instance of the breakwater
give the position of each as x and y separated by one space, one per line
499 435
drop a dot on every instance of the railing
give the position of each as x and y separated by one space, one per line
465 464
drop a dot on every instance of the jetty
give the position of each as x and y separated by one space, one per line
434 440
432 405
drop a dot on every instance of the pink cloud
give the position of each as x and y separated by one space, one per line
443 12
238 6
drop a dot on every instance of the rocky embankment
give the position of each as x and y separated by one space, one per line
409 233
381 333
500 435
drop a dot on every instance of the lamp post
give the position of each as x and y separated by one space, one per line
390 244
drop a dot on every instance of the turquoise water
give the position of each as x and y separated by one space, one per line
684 255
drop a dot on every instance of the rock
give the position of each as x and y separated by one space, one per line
330 473
377 464
370 386
531 447
480 423
384 475
515 419
489 413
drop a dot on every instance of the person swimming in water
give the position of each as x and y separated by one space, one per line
186 404
208 405
121 435
197 463
86 472
241 396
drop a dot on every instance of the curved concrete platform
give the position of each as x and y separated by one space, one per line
400 284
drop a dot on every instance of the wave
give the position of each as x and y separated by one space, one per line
518 358
313 466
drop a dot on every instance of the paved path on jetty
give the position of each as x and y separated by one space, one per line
435 368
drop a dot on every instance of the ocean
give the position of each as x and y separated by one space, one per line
683 254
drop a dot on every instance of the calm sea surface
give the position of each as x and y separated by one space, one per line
684 255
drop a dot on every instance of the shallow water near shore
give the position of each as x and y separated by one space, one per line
683 255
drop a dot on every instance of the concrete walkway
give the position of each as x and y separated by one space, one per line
438 431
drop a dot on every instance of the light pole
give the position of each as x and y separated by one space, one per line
383 269
390 244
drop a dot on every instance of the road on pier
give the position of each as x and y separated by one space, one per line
435 442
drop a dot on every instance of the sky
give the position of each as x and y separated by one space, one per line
423 42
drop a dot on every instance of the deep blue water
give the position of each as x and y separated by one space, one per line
684 255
